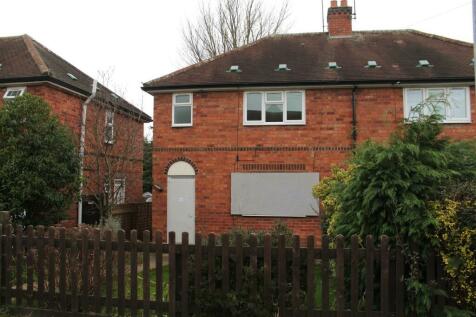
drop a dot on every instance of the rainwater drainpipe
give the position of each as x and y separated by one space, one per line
354 117
81 148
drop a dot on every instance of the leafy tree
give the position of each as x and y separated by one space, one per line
147 169
39 169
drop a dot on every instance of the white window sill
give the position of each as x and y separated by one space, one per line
272 123
182 125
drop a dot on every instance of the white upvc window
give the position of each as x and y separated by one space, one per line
109 127
13 92
119 191
274 108
182 110
452 103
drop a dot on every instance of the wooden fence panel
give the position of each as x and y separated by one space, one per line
64 271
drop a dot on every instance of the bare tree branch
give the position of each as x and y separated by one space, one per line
228 25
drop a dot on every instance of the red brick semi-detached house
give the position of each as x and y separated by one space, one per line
26 66
240 139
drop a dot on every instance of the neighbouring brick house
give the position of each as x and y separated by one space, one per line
240 138
26 66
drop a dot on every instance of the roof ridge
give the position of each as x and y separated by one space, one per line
35 42
211 59
441 38
30 46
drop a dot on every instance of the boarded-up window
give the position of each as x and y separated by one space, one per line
273 194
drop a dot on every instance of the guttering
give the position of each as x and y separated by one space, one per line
310 85
82 146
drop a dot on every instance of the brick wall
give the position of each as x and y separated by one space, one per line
218 144
68 107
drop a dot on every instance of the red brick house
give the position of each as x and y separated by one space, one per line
26 66
239 138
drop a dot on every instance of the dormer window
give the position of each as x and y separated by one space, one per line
424 63
282 68
234 69
72 76
333 65
14 92
372 64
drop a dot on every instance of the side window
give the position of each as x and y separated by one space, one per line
109 127
119 191
13 92
182 110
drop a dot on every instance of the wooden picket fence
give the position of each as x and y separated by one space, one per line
82 273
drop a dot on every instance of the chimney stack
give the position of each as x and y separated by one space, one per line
339 19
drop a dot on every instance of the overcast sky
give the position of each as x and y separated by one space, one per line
141 39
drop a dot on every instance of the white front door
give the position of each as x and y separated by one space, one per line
181 206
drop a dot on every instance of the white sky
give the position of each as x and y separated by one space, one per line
141 40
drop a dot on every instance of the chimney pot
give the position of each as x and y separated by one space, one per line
339 19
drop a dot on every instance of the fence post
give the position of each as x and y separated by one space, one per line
7 262
120 271
354 276
282 275
74 271
62 263
198 267
172 274
29 264
145 274
253 265
2 264
40 246
267 271
158 273
184 291
211 261
296 275
225 260
340 294
325 275
311 288
51 266
399 277
369 275
384 269
19 268
97 270
108 247
85 270
239 261
133 285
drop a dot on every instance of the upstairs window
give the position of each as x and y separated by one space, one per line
13 92
274 108
182 110
451 103
109 127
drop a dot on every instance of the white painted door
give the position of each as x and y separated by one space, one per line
181 206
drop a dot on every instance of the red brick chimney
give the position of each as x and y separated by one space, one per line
339 19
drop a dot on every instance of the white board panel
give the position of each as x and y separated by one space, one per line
274 194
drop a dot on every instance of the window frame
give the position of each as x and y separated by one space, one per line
122 188
109 125
9 89
174 104
426 91
264 102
